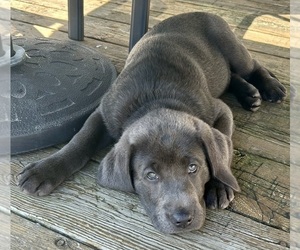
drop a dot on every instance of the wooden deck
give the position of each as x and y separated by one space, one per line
82 215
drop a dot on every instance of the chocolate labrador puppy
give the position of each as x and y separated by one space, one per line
172 133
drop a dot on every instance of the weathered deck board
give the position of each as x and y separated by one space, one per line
5 231
31 235
272 28
99 218
108 219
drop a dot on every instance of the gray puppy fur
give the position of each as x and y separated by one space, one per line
172 133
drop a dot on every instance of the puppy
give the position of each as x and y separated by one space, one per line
172 133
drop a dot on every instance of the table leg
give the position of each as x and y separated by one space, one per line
75 20
139 20
2 52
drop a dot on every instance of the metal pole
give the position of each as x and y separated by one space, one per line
76 20
2 52
139 20
12 51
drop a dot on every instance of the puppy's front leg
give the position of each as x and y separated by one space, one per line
218 194
223 118
40 178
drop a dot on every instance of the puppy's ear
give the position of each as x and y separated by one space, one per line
218 148
114 170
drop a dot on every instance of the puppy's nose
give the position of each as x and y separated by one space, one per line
181 218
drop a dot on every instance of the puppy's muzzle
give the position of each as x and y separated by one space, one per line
181 218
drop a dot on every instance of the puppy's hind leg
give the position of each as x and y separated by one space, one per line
243 65
245 70
40 178
247 95
267 83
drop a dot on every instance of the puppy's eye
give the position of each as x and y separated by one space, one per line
152 176
193 168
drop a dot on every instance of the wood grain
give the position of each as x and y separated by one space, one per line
32 235
108 219
102 21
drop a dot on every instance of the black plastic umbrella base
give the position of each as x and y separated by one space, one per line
54 90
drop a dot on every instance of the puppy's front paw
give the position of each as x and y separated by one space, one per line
40 178
217 194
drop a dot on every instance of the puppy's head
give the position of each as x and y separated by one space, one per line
167 157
